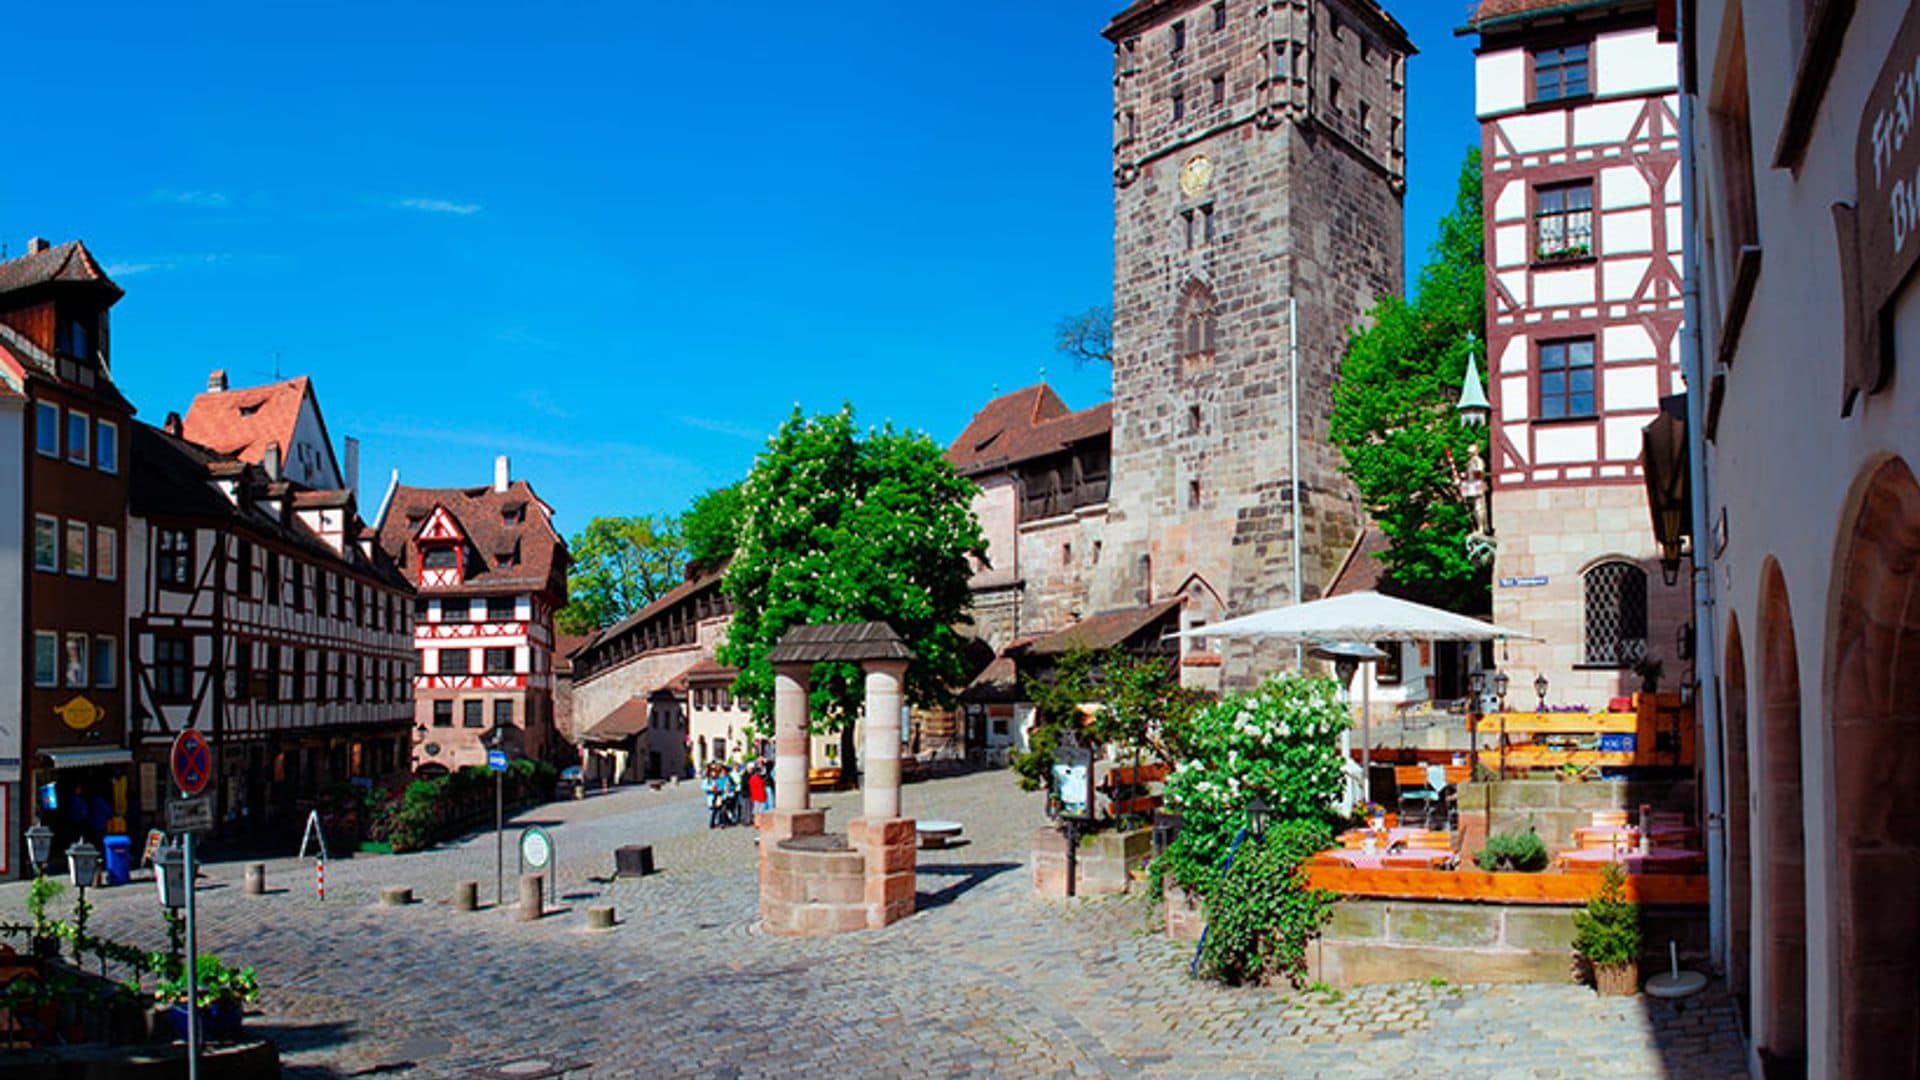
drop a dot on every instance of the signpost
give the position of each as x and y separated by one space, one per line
497 761
319 838
536 853
1073 795
191 761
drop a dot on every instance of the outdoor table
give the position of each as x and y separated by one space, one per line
1353 838
1373 860
1629 835
1659 860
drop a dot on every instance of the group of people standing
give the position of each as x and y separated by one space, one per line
736 791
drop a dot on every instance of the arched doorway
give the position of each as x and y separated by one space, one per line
1875 667
1733 697
1782 1014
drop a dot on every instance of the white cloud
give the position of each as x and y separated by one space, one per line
439 206
723 427
162 263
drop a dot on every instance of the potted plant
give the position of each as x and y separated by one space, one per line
222 993
1607 935
1523 853
45 934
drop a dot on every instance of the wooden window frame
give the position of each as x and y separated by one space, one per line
106 555
109 463
473 714
165 668
84 531
42 410
1534 97
488 659
173 566
442 713
84 458
1570 253
1539 414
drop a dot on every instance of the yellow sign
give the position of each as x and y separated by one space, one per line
80 714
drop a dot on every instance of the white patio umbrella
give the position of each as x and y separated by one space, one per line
1361 617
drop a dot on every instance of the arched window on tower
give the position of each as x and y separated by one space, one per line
1197 328
1616 593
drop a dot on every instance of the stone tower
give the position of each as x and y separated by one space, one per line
1258 155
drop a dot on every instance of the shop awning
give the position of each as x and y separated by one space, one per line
86 757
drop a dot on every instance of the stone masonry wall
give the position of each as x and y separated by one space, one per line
1557 533
1201 445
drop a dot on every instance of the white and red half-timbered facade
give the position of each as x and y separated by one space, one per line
491 572
1580 150
263 614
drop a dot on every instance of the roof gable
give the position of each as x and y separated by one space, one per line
518 551
441 526
242 422
1026 424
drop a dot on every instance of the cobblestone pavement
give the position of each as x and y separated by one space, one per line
985 979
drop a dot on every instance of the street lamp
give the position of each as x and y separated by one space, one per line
83 865
1500 681
1257 812
170 877
1540 688
40 846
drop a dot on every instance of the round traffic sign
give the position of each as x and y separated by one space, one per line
192 761
535 848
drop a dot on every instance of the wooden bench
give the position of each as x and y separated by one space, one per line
823 779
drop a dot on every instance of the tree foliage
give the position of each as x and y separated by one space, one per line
1394 420
620 565
1086 337
840 528
1137 704
711 527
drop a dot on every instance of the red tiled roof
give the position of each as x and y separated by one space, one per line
627 718
710 671
1361 570
242 422
70 261
1023 425
542 554
1515 11
1106 630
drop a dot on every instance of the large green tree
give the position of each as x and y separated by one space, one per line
837 526
1394 418
620 565
712 527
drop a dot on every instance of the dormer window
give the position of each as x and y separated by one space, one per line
513 513
249 410
76 341
440 558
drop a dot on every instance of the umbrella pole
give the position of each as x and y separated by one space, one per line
1366 727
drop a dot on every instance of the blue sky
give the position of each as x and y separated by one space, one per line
617 242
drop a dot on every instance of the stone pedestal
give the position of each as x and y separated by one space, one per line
889 847
1102 864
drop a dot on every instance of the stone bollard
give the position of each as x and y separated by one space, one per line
256 879
600 918
396 896
533 898
466 896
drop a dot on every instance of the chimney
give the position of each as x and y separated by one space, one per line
217 383
173 425
270 461
353 468
37 244
501 474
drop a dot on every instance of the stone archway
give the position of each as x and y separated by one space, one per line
1739 820
1781 1031
1875 667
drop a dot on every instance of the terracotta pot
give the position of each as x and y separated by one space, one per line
1617 980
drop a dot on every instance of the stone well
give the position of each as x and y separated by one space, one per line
813 882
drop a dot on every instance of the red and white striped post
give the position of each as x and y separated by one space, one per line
320 877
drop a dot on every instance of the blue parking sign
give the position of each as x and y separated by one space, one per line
497 760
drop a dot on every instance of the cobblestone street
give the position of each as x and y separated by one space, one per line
986 979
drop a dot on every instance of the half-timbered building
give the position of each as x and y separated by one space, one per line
1580 159
263 614
63 730
490 572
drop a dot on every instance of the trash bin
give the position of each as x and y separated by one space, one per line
119 860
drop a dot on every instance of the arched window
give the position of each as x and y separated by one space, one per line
1197 326
1616 613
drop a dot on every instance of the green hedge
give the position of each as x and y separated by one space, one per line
428 811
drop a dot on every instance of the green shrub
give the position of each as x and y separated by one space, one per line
1261 914
1524 852
1281 742
1608 932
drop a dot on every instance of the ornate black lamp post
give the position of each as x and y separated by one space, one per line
40 847
1257 814
1540 688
